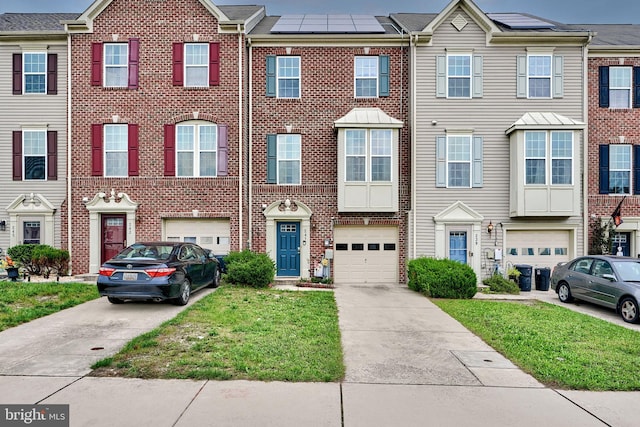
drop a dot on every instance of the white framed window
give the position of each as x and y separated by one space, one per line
459 161
116 64
535 158
289 159
368 155
196 149
561 158
288 76
459 76
34 154
34 66
366 76
620 169
196 64
539 76
552 150
620 87
116 150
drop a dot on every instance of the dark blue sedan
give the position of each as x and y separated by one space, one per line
158 271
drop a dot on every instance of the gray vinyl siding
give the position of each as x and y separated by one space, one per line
18 111
488 117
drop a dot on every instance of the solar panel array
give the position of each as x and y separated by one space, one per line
517 21
297 24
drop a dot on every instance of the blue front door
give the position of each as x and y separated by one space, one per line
458 246
288 249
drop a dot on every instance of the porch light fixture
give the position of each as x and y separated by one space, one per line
490 228
3 225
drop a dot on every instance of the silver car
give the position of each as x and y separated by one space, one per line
606 280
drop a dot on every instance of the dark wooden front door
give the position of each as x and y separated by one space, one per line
114 236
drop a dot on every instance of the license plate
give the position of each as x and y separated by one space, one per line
129 276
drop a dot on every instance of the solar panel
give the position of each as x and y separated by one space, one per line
313 23
519 21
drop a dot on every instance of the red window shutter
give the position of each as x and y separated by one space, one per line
223 150
17 155
134 58
17 74
52 155
96 150
52 74
178 54
214 64
133 150
169 150
96 64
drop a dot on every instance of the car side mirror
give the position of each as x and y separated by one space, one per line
610 277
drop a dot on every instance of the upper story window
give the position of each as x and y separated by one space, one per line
116 64
116 150
560 159
288 77
34 154
368 155
196 64
459 76
284 159
619 87
196 149
366 76
459 161
619 169
539 76
35 73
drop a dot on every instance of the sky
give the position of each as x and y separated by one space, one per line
565 11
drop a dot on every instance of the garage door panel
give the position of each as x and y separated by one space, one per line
366 254
538 248
209 233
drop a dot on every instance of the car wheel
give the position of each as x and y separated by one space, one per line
216 279
564 293
113 300
185 293
629 310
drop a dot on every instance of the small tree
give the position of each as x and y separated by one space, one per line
601 236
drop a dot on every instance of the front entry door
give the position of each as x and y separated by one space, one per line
458 246
288 250
114 236
620 244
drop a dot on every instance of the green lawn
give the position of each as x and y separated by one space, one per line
240 333
559 347
21 302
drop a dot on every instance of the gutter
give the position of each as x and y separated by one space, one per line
585 146
414 163
69 202
240 137
250 141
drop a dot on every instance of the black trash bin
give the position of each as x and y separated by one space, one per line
524 281
543 277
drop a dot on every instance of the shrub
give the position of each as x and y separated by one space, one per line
249 268
442 278
500 285
40 259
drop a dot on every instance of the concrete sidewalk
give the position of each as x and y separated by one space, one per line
408 364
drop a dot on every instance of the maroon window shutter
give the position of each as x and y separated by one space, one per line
96 64
96 150
17 74
169 150
134 58
133 150
17 155
52 74
178 53
223 150
214 64
52 155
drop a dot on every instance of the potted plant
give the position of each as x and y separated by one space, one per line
513 274
8 265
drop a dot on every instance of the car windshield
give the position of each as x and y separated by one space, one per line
153 251
628 271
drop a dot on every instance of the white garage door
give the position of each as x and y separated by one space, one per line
538 248
366 254
209 233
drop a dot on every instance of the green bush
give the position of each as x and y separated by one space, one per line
40 259
249 268
442 278
499 285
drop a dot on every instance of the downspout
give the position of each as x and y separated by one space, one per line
585 148
250 138
69 205
240 138
414 204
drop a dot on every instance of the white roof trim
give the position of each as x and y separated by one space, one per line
367 117
535 120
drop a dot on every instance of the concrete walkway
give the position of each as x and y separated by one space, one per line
408 364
